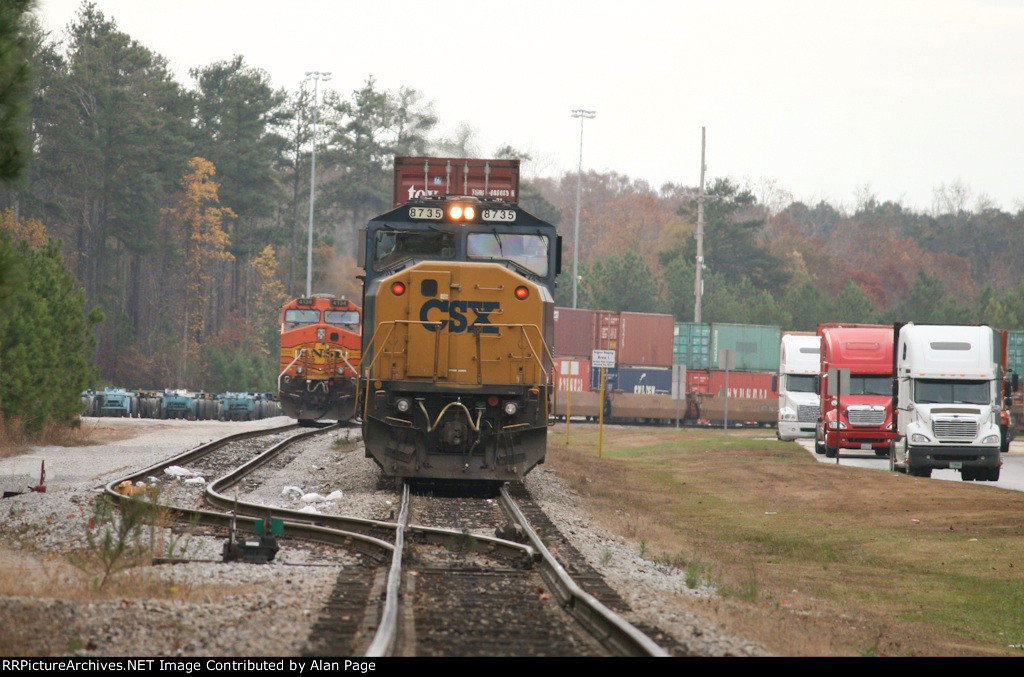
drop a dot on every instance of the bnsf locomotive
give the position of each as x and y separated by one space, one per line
458 323
320 348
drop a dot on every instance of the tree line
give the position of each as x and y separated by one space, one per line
177 214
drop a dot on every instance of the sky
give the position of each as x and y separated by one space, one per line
835 100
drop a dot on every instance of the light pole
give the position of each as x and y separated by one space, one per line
581 114
315 76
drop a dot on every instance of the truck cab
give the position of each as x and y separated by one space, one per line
949 398
862 418
799 401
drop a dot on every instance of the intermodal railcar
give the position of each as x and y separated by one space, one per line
458 323
320 354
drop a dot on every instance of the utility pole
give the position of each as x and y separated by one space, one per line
578 113
316 76
698 284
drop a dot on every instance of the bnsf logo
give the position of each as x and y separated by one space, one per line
456 312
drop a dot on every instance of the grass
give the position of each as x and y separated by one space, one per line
811 558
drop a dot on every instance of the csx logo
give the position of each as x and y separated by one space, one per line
456 312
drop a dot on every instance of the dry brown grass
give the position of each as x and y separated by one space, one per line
25 574
811 559
14 441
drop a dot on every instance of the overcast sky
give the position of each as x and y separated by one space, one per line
826 99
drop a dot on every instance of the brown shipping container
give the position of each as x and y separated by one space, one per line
572 374
645 339
606 331
574 332
750 385
497 179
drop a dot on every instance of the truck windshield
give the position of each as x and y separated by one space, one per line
870 385
800 383
942 391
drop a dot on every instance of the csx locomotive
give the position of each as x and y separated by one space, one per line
457 329
320 348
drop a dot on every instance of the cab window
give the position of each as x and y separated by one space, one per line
342 318
529 251
394 246
299 317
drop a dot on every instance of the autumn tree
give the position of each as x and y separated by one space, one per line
197 223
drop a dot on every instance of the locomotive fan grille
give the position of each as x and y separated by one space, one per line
807 412
958 429
866 415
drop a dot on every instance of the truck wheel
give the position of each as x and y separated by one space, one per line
830 452
992 475
970 474
819 448
920 472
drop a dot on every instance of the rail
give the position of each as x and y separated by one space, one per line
610 628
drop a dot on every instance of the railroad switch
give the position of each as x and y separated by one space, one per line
260 548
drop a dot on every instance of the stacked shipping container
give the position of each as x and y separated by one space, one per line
647 345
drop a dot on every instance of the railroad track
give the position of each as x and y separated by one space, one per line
449 576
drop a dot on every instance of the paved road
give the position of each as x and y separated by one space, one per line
1010 477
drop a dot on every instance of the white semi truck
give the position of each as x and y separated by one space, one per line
949 398
799 403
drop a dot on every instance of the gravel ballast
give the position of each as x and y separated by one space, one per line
251 610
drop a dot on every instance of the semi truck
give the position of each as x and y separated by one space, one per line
860 419
950 390
799 402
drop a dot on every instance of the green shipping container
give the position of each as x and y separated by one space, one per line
756 346
1015 351
691 345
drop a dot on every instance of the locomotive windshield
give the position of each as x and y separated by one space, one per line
529 251
342 318
393 246
297 317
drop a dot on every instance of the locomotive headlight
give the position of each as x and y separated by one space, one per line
455 212
403 405
321 333
300 369
469 213
511 408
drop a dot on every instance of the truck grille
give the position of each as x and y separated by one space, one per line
807 412
866 415
958 429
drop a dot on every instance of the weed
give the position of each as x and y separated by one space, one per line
643 549
464 543
606 557
115 539
694 574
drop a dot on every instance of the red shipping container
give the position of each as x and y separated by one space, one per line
645 339
572 374
744 385
574 332
698 381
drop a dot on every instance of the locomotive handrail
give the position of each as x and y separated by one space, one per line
368 369
298 354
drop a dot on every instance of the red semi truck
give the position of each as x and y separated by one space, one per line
862 419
